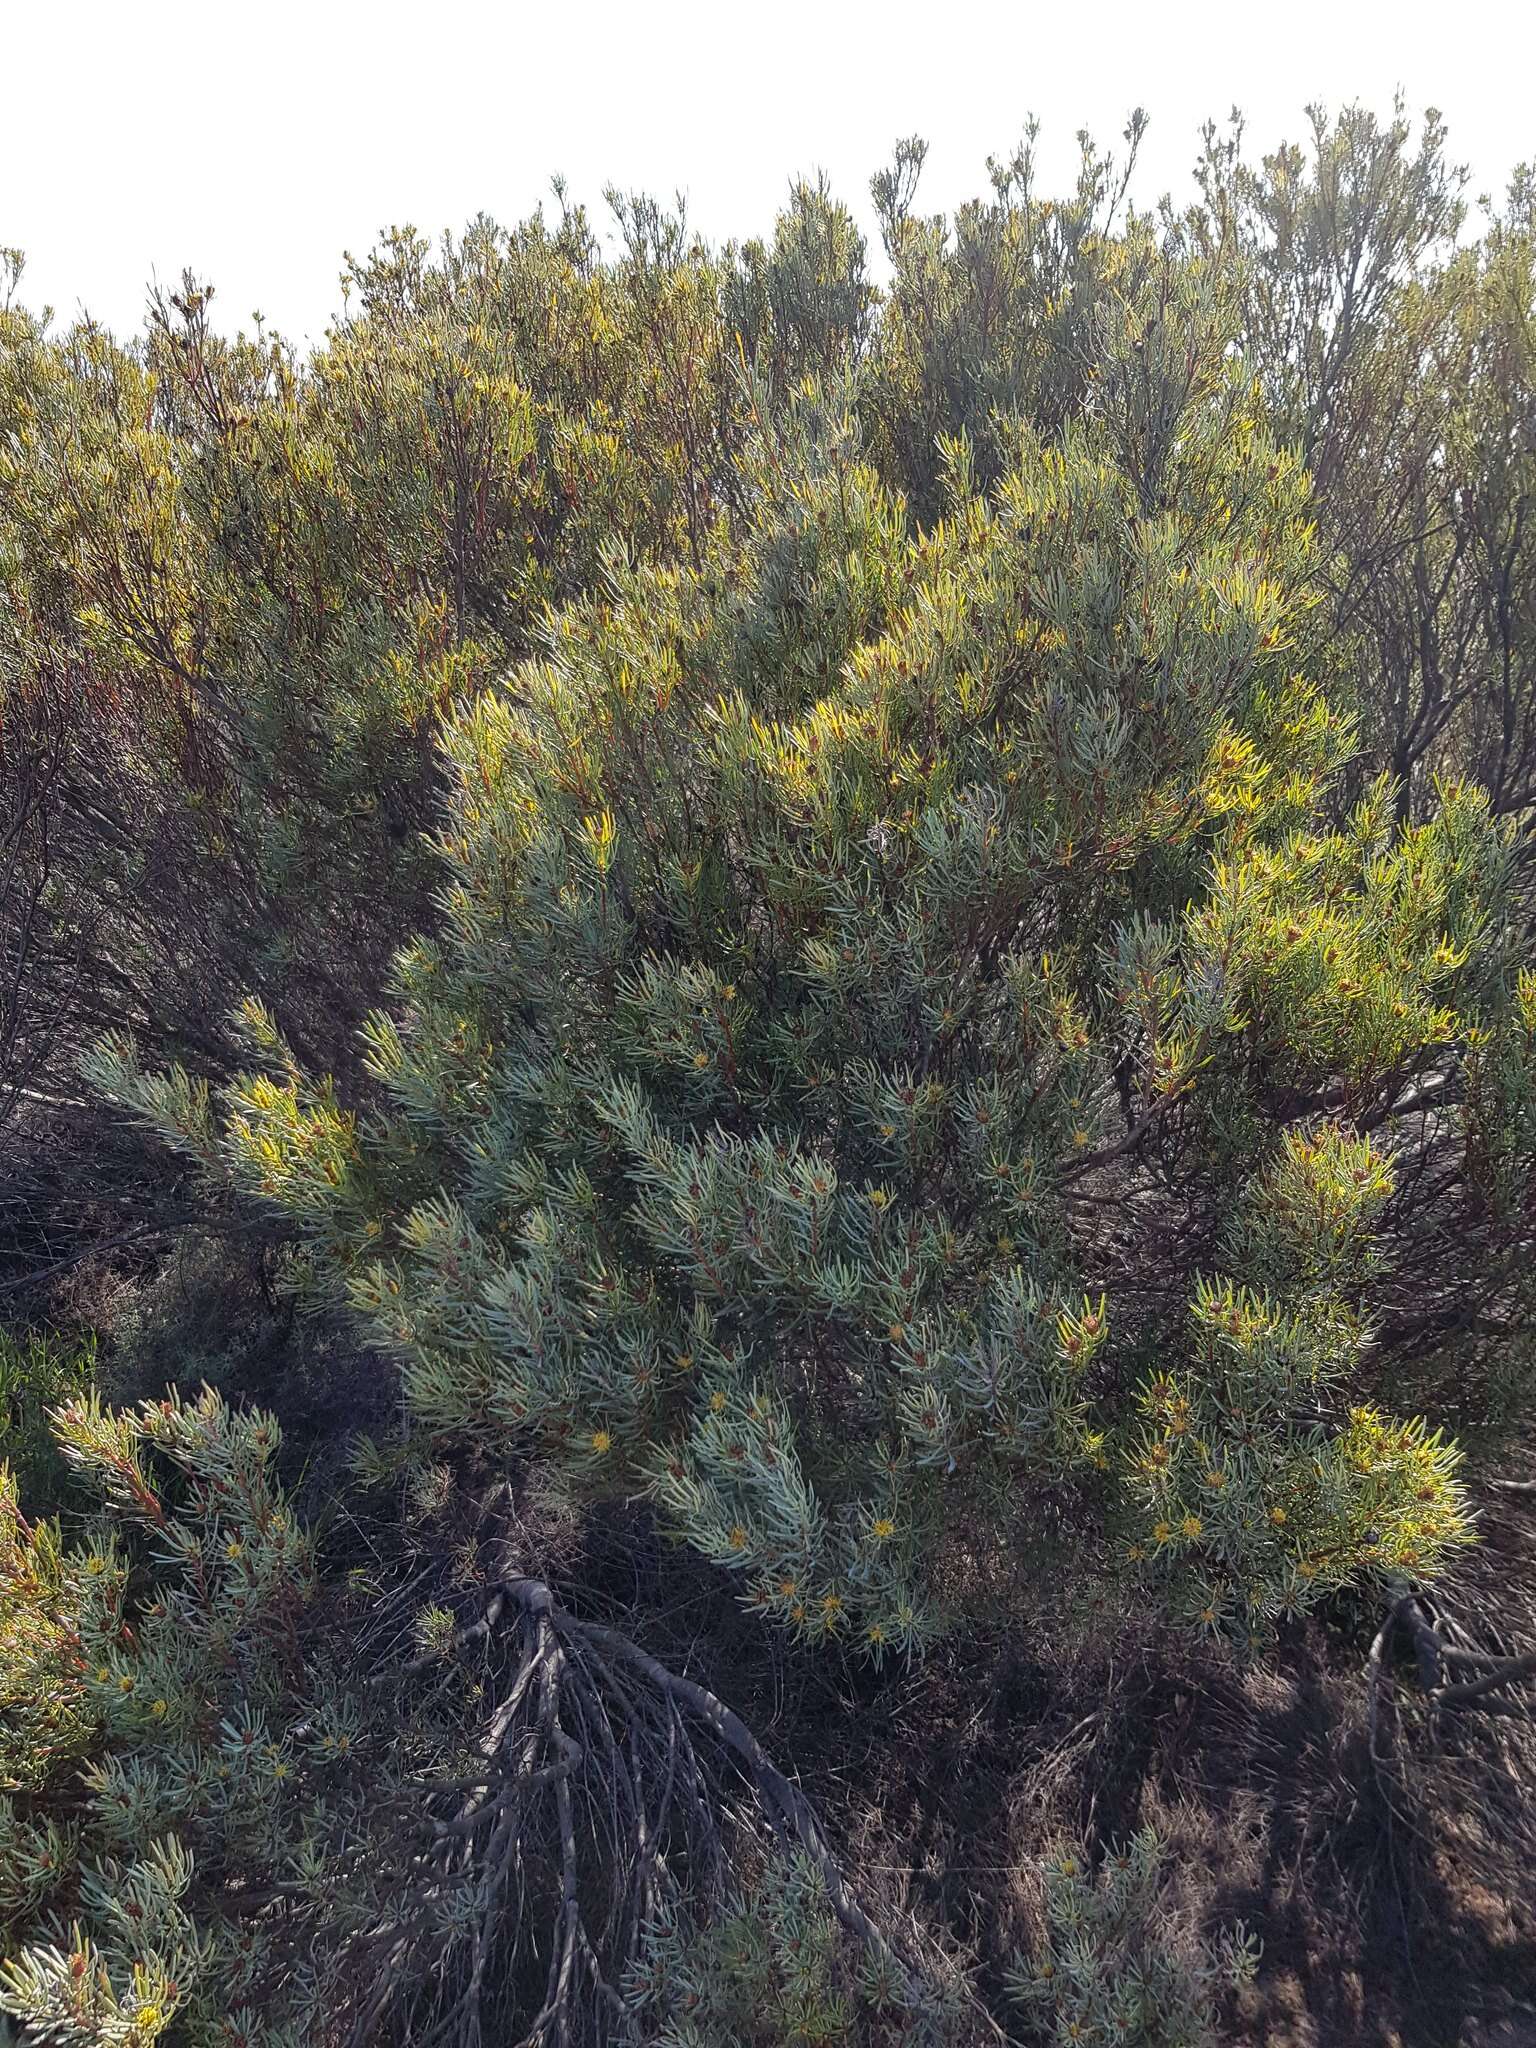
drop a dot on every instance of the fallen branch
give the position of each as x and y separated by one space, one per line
1494 1669
1509 1671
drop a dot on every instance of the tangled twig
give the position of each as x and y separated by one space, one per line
1440 1648
597 1800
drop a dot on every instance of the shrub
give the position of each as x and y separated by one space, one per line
154 1691
771 1968
906 1073
37 1372
232 1810
1115 1966
974 1051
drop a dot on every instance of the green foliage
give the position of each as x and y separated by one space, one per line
1398 360
991 317
1115 1966
770 1969
969 1037
37 1372
158 1725
826 929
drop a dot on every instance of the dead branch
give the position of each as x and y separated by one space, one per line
1509 1671
1440 1645
598 1803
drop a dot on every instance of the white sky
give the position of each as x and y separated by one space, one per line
256 142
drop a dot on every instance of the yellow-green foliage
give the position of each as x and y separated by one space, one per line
158 1717
829 931
1115 1965
771 1969
970 1038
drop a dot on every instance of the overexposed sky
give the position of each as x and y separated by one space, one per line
256 142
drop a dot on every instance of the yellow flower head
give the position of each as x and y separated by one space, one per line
882 1528
602 1441
1191 1525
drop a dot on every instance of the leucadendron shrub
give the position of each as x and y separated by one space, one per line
169 1747
910 1071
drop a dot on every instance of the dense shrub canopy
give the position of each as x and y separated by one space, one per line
968 1049
826 930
